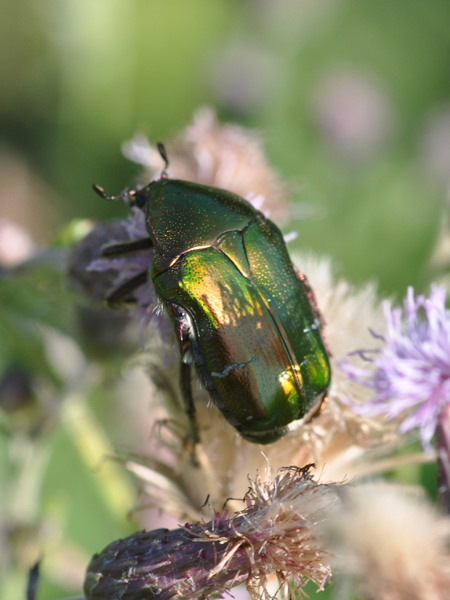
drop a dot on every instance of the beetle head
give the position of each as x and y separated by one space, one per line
140 197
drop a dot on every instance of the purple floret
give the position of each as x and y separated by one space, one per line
411 372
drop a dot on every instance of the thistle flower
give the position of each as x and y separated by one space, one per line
354 115
105 331
340 440
348 444
126 267
274 535
15 243
388 545
223 156
411 372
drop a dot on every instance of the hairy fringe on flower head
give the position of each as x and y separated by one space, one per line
274 535
227 156
389 545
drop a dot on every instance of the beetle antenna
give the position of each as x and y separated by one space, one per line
163 153
101 192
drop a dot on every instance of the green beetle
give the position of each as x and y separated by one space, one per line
241 312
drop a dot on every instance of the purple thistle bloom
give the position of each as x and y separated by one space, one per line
127 266
412 369
147 308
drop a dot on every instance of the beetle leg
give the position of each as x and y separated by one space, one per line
186 377
126 247
186 391
118 295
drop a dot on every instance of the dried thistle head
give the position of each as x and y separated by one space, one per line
389 545
342 443
227 156
275 535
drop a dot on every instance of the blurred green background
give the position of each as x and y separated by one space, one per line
352 98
